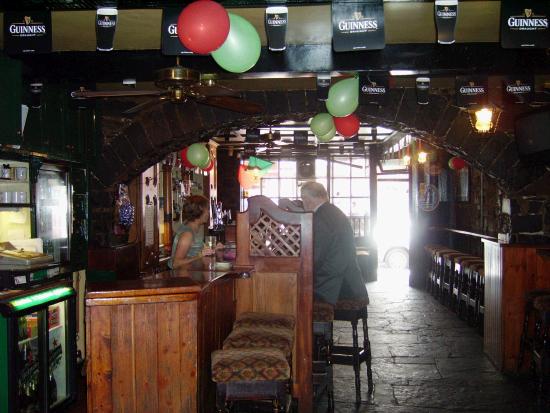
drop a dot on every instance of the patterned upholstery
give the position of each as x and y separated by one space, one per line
249 337
257 319
250 364
323 312
352 303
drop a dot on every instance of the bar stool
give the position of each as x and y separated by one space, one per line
472 272
352 310
461 286
447 279
541 342
526 339
323 316
431 250
440 270
480 315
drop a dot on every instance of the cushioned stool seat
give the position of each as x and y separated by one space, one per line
250 374
256 319
249 337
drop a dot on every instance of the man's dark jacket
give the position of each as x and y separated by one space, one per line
336 273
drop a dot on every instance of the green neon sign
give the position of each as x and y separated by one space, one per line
40 298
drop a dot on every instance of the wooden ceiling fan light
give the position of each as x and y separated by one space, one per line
177 84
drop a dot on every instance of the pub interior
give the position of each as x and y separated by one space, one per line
102 139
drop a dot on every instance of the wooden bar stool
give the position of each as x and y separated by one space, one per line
541 342
527 334
353 310
323 317
480 315
440 270
461 288
447 278
431 250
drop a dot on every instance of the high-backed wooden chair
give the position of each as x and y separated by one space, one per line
279 244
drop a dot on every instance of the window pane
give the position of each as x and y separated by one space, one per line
360 187
343 204
359 206
270 188
339 169
256 190
288 188
340 187
320 168
287 169
360 172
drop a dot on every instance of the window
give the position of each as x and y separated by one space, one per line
345 177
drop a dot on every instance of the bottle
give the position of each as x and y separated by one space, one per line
52 389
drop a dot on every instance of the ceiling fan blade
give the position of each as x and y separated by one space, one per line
86 94
147 104
211 90
232 103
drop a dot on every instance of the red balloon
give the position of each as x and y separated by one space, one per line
456 163
203 26
211 163
347 126
184 159
246 179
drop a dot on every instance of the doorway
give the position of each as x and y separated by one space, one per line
392 231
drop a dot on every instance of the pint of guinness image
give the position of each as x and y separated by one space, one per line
276 20
422 90
105 28
446 12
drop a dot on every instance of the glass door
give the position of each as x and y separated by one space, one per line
52 212
27 364
58 373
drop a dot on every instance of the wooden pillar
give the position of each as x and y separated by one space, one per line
168 234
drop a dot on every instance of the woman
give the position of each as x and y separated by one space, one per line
188 246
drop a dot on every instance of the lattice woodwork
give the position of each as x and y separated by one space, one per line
269 238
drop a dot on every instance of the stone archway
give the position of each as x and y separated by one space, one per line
131 146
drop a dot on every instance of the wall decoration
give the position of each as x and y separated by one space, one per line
524 24
358 25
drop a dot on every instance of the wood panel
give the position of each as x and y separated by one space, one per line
302 267
98 354
146 358
492 334
142 357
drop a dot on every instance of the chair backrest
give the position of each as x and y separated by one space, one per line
279 244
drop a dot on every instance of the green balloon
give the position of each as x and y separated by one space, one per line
321 124
328 136
343 97
241 49
198 155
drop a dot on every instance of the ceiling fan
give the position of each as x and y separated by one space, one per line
178 84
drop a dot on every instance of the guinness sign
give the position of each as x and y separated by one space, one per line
446 12
524 24
471 90
518 89
358 25
373 89
27 32
170 42
276 21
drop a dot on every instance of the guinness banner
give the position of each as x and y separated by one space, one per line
373 88
524 23
27 32
358 25
471 90
518 89
170 43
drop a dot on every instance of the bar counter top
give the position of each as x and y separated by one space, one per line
166 282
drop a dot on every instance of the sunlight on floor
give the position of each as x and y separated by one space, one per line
393 282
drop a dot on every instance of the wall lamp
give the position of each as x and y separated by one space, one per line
484 119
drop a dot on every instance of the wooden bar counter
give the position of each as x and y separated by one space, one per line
149 341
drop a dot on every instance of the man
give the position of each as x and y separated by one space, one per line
336 273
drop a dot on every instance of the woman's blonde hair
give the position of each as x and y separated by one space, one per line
193 207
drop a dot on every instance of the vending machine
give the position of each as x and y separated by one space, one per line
37 348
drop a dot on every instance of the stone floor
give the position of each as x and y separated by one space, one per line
424 359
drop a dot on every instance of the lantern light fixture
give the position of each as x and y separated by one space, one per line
484 119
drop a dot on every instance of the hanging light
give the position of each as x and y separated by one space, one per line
484 118
422 156
406 160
